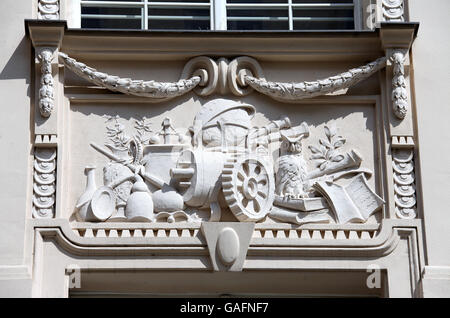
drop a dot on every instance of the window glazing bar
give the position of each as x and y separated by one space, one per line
107 4
220 14
110 16
258 18
179 4
181 17
323 19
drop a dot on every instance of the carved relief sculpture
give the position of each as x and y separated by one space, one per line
399 92
404 178
223 156
46 91
48 9
238 76
152 89
44 186
393 10
302 90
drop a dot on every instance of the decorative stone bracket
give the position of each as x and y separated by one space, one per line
46 91
400 102
228 243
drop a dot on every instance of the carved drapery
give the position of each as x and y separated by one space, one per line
48 9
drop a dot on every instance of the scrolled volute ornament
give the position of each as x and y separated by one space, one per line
205 68
238 69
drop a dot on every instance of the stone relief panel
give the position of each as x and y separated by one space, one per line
229 160
211 151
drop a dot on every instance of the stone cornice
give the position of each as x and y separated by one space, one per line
327 46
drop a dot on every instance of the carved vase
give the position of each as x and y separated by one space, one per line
139 206
83 205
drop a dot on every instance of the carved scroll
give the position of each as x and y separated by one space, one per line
48 9
393 10
399 92
46 96
44 186
303 90
151 89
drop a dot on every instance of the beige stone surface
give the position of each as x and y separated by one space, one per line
15 89
119 258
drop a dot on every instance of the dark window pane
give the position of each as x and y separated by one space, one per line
179 19
116 0
111 23
258 25
322 1
314 25
257 1
197 1
111 11
178 25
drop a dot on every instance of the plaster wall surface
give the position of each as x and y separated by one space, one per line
15 73
431 75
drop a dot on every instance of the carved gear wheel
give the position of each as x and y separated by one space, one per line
248 187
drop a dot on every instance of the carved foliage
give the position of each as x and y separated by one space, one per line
399 92
240 77
44 186
404 183
48 9
303 90
393 10
151 89
46 91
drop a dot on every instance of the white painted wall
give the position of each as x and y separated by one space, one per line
431 76
14 143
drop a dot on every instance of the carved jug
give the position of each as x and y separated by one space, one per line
83 203
139 206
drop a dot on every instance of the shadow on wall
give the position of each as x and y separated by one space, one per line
19 64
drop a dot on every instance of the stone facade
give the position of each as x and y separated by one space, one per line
242 156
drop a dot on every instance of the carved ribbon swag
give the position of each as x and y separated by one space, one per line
280 91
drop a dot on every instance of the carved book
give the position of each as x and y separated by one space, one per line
355 202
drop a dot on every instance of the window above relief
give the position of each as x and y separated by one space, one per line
268 15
